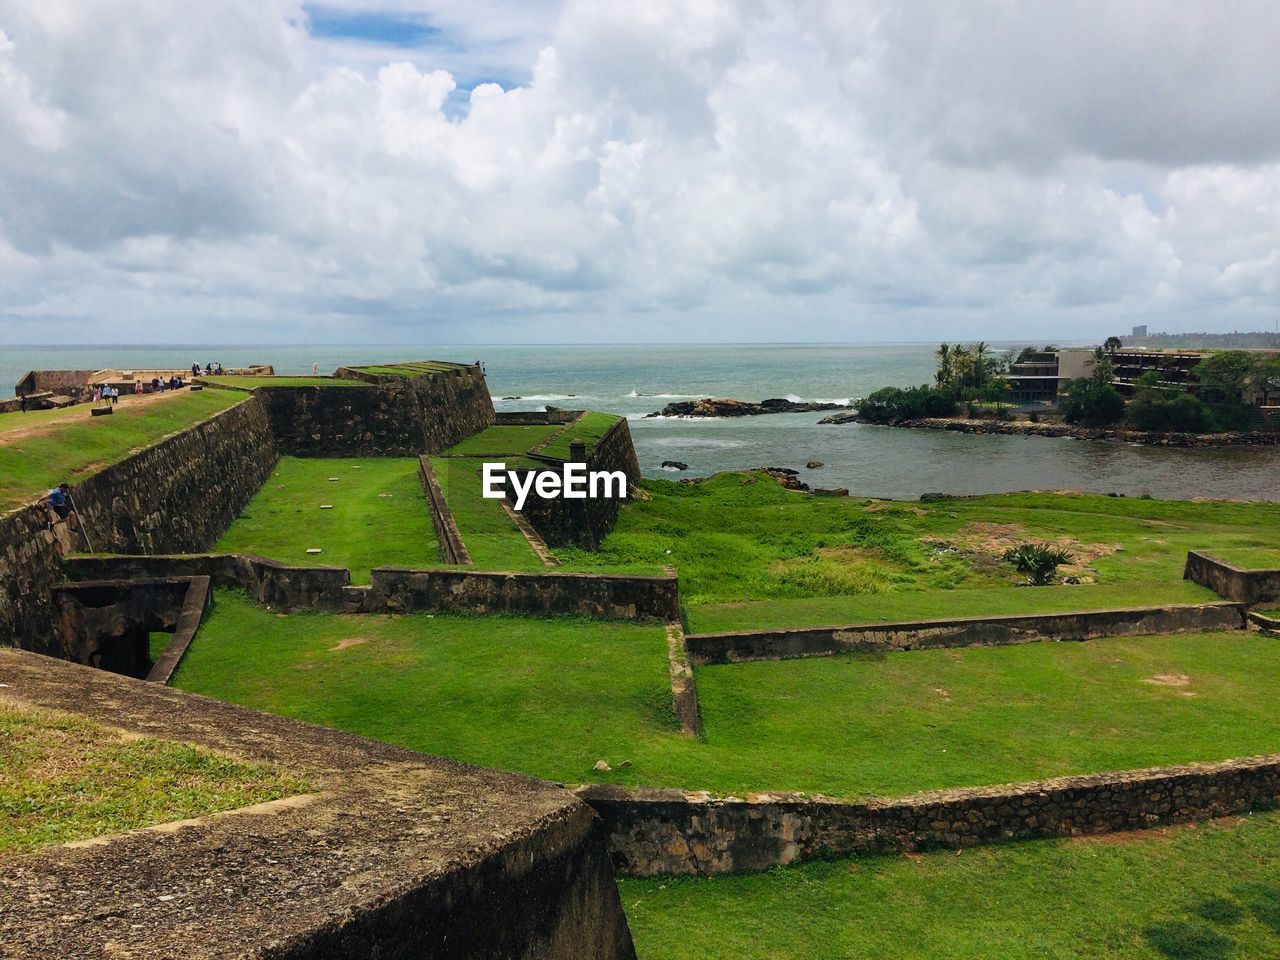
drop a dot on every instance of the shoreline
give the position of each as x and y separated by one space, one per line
1250 438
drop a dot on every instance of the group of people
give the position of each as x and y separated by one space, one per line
160 385
210 369
106 393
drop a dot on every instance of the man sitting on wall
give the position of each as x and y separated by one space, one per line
59 501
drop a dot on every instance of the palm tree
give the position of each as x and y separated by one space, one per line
979 363
962 364
945 373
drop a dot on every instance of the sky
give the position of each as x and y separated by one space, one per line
488 171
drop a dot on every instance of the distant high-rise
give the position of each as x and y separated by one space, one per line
1140 330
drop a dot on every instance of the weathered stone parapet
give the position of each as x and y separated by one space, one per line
389 853
1234 583
654 832
743 645
382 416
546 594
281 587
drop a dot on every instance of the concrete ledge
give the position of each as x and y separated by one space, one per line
194 605
452 549
744 645
1234 583
391 854
654 832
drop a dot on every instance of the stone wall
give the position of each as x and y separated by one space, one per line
107 623
390 416
1234 583
452 549
67 383
409 591
585 523
735 646
388 853
538 594
181 493
656 832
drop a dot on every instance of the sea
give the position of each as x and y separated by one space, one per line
637 380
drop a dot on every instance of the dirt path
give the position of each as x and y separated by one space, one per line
79 411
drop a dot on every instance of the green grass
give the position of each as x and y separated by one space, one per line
590 427
550 697
249 383
157 640
739 537
1199 893
66 778
379 516
503 440
1249 558
491 538
410 369
33 418
936 605
75 448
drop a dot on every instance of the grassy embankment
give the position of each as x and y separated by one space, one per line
589 428
412 368
492 539
378 517
71 449
66 778
248 383
753 555
1249 558
1208 892
550 697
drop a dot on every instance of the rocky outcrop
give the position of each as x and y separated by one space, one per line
713 407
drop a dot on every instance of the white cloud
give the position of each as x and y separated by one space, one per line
691 169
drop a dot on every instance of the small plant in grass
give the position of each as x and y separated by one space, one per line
1038 561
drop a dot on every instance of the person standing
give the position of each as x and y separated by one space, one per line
22 403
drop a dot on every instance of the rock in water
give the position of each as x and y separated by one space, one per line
815 464
720 407
674 465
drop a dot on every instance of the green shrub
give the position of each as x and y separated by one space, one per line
1038 561
1168 411
894 404
1091 402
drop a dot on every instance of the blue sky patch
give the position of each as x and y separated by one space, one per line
370 26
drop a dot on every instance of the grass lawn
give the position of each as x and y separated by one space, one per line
75 448
1250 558
547 697
1208 892
493 541
936 605
739 537
501 440
590 427
248 383
66 778
379 516
35 418
412 368
550 697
